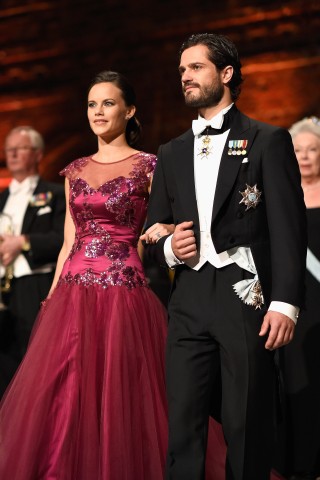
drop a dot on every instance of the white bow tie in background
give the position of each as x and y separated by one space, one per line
27 186
16 187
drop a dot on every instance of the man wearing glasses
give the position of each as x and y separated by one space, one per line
31 231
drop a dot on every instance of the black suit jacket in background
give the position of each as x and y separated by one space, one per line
44 230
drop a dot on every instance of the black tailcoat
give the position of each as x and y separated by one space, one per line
275 230
211 331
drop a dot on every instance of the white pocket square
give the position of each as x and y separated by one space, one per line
245 160
44 210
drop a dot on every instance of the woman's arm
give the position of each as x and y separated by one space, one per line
157 230
69 235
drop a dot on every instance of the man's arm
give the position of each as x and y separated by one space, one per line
287 226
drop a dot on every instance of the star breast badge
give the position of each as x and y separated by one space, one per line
251 196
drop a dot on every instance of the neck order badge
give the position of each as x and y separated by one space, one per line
205 148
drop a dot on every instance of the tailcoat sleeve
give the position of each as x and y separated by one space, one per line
286 217
159 209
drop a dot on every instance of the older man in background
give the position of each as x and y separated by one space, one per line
31 232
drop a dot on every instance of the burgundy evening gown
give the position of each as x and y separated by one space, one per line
88 401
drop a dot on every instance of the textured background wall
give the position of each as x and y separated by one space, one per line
50 50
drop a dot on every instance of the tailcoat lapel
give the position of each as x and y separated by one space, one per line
3 199
230 164
183 148
31 212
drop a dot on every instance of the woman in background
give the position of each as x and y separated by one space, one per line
300 437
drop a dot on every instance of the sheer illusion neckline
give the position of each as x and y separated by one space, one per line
116 161
118 171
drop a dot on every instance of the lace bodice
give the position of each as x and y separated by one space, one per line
108 204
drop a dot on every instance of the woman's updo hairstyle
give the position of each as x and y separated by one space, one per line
133 130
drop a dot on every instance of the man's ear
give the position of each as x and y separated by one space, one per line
39 156
227 73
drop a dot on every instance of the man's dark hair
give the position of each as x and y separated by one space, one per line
222 52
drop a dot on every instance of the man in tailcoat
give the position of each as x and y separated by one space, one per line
31 231
231 185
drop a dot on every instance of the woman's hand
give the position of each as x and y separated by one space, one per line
158 230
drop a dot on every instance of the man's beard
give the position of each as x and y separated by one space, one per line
209 96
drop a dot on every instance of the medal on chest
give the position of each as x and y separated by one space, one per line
251 196
205 147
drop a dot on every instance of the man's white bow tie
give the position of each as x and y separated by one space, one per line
16 187
199 125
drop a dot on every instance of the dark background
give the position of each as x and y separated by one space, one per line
50 51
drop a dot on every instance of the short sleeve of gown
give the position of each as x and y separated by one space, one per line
149 163
73 168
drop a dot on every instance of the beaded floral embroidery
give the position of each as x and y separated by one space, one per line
119 202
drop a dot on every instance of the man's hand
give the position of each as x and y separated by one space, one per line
10 248
280 327
183 241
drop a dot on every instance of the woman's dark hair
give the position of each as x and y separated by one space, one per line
222 52
133 130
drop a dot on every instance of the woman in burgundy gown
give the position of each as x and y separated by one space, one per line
88 401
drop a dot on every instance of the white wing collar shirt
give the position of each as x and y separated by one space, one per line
206 168
16 206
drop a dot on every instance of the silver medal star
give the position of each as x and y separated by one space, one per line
251 197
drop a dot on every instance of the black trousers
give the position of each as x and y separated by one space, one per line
214 350
8 360
24 301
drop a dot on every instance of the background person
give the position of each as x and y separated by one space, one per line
299 452
32 230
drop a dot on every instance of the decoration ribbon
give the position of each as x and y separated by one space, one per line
313 265
248 290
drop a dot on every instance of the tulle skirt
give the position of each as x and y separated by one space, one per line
88 401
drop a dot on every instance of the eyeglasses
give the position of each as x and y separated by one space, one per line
18 149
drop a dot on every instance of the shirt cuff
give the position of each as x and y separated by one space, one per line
290 310
171 259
